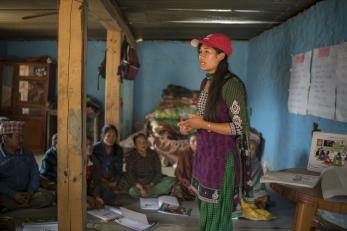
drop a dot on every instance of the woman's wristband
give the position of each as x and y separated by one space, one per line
208 126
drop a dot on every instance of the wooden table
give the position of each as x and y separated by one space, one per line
307 200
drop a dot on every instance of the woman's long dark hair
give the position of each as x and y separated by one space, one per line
108 127
219 77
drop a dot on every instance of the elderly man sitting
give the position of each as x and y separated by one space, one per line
19 175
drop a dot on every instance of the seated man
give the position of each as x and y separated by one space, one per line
19 175
144 171
48 169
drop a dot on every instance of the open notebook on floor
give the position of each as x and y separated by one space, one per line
155 203
134 220
174 210
44 226
107 213
123 216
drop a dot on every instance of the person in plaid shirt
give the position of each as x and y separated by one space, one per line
19 174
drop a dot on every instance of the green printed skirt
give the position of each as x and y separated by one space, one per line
218 216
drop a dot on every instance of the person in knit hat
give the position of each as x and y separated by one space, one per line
19 175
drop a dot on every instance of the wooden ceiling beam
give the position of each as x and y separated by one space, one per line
111 17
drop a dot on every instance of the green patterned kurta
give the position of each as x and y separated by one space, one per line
222 166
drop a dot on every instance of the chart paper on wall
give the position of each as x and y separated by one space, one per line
341 86
299 83
321 100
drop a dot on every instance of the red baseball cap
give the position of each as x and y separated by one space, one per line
219 41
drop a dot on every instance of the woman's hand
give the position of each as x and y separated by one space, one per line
23 198
185 183
184 130
99 202
197 122
149 186
142 189
95 203
104 181
112 184
194 121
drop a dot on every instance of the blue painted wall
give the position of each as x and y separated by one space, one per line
128 106
95 55
288 136
2 48
22 49
164 63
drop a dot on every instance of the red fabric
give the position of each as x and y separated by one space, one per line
134 64
88 172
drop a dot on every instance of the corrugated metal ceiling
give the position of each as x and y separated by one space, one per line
157 19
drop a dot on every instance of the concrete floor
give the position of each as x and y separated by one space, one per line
282 209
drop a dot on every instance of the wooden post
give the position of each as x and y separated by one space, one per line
304 215
112 84
71 115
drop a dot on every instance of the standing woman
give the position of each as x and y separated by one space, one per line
106 171
222 167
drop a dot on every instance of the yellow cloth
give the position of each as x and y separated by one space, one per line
252 212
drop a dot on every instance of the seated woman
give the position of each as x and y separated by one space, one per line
92 202
144 171
106 171
48 169
183 171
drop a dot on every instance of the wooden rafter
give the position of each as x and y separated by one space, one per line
111 17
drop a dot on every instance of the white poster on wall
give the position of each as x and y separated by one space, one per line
299 83
322 94
341 80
